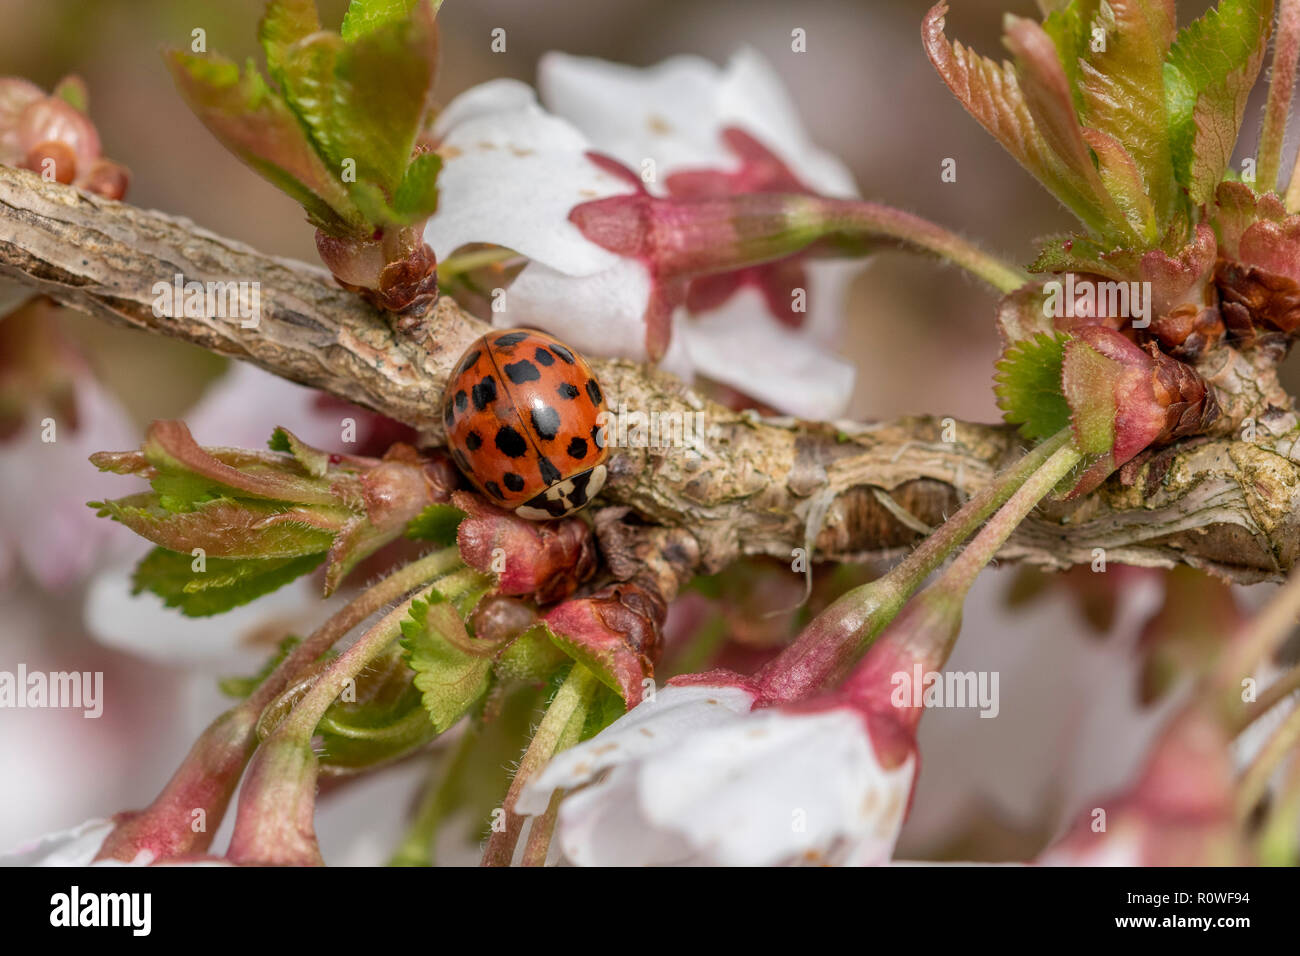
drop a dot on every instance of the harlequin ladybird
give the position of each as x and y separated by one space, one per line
521 416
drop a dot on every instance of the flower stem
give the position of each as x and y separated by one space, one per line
469 261
207 777
274 820
926 630
559 730
961 575
416 848
873 220
838 636
1286 49
365 604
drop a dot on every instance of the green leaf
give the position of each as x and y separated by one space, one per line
1028 385
533 655
417 196
223 527
992 94
603 711
365 102
365 16
1122 85
1082 254
1070 33
253 122
314 461
284 24
450 679
1209 74
437 523
385 721
224 584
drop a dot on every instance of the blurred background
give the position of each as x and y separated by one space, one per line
921 336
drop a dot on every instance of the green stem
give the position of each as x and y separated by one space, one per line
307 713
873 220
416 848
838 636
208 776
274 823
469 261
560 729
963 571
365 604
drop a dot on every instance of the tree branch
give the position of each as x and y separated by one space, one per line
752 485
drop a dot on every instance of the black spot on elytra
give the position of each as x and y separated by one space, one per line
514 482
494 490
568 391
577 448
448 415
562 353
462 401
468 364
522 371
593 391
546 422
543 357
511 443
484 393
598 435
550 474
473 441
511 338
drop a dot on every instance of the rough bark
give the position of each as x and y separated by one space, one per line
753 485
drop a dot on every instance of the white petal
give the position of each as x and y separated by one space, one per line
74 847
672 715
56 537
511 175
667 112
777 787
243 407
675 112
598 314
829 282
494 96
743 346
752 96
602 825
224 643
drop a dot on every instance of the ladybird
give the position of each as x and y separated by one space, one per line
521 412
